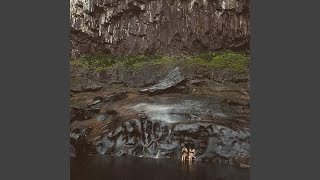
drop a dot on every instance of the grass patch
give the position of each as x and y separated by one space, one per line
230 60
167 60
97 61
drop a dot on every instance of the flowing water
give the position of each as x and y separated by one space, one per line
171 109
104 167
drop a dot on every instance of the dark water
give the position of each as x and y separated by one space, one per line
113 168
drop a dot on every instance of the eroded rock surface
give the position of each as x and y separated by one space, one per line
157 126
158 26
169 82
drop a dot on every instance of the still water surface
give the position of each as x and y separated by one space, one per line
102 167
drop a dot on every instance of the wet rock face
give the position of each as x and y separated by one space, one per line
158 126
148 138
158 26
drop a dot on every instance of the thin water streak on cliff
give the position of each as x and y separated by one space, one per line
158 26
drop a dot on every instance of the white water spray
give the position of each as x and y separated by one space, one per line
158 154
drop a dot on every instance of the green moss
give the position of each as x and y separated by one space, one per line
222 59
166 60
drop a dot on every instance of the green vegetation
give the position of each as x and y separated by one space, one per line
95 61
222 59
229 60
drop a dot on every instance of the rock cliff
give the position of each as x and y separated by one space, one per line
158 26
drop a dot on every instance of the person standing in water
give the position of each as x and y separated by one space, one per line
192 153
184 152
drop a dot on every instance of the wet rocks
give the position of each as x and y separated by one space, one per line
158 129
80 113
173 78
117 96
91 108
157 126
101 117
141 134
79 144
149 138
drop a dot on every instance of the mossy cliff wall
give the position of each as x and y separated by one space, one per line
158 26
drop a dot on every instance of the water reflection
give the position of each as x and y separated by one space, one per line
188 167
113 168
192 166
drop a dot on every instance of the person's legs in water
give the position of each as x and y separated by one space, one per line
184 154
191 154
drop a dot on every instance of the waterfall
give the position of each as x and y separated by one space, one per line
158 154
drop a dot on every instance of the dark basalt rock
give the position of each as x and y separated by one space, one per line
116 96
96 101
80 113
158 126
148 138
173 79
86 88
197 82
158 26
79 144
